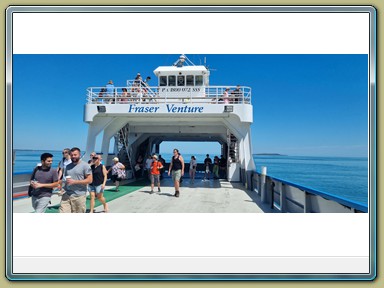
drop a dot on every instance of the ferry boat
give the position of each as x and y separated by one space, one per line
183 106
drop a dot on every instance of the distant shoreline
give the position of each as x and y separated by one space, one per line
269 154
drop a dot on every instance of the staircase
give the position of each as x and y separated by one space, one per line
124 150
233 147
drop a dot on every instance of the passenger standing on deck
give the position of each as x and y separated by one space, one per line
162 161
177 168
90 161
78 175
223 167
110 88
124 96
226 96
139 167
238 95
43 180
64 161
147 170
207 167
118 172
146 88
138 80
216 167
61 167
96 188
155 173
192 169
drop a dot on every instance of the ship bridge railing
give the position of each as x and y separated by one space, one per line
143 94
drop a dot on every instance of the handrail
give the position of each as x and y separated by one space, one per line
326 195
141 93
361 207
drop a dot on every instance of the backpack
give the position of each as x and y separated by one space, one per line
30 188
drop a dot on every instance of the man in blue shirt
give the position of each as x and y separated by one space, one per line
110 89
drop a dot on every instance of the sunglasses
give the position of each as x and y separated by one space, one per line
95 158
64 152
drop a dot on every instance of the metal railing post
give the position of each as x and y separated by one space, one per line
283 198
307 202
263 189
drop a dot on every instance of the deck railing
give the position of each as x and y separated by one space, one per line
142 94
289 197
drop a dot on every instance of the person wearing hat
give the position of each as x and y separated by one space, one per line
137 83
156 166
118 172
138 79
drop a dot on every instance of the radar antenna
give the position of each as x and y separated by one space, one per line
183 60
206 66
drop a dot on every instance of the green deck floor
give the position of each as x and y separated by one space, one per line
109 194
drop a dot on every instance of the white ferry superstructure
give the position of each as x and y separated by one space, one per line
182 107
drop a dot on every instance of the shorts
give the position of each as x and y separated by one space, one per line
97 189
114 178
73 204
155 177
176 175
40 204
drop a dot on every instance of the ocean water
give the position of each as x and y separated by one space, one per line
342 176
26 160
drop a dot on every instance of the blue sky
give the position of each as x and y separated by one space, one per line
304 105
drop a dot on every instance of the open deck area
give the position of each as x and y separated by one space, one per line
210 196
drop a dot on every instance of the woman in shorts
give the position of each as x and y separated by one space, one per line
118 172
96 188
177 168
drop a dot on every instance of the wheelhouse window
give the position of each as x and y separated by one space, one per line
172 80
180 80
190 80
199 80
163 81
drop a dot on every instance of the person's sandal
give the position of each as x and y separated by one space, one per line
177 194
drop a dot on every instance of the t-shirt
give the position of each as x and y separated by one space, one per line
148 163
207 161
155 167
116 170
110 88
77 172
63 163
46 176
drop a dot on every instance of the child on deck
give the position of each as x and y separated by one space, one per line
155 173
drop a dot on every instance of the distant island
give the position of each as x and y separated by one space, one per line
269 154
